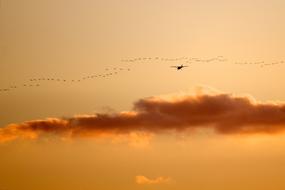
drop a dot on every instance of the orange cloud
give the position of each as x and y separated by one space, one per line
142 180
222 113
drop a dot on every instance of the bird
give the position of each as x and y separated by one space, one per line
179 67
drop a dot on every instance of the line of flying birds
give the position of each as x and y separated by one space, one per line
35 82
191 60
186 61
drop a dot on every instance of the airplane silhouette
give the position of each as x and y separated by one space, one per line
179 67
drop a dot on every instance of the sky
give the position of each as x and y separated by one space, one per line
141 124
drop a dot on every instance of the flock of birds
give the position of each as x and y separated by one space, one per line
181 59
193 60
261 63
184 61
36 82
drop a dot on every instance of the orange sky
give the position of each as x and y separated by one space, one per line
69 39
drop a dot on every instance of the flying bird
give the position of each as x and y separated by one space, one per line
178 67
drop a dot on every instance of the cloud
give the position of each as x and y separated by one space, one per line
142 180
221 113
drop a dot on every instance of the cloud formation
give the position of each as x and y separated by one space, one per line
142 180
221 113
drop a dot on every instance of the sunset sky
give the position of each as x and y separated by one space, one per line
216 124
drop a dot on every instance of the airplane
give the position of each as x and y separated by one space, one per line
179 66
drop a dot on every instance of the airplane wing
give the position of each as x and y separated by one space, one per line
174 66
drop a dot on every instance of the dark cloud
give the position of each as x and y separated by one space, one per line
222 113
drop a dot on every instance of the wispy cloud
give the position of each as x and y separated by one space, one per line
142 180
222 113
